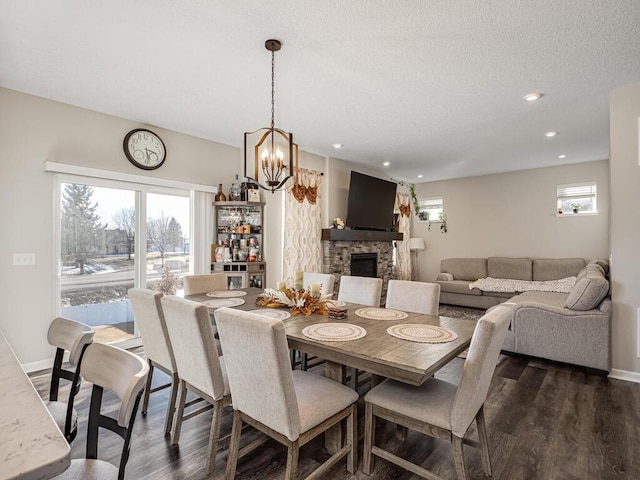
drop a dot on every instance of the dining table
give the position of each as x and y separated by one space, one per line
31 444
377 352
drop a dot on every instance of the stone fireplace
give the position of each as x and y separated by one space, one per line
341 247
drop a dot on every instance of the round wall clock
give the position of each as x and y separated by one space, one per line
144 149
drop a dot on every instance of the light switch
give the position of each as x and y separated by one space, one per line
23 259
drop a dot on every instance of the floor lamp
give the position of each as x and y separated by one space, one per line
416 245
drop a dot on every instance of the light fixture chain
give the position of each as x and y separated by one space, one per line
273 87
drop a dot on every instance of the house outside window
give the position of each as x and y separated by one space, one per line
430 209
577 198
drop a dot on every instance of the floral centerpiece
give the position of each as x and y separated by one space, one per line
338 223
300 301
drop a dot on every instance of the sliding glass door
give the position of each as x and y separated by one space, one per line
112 238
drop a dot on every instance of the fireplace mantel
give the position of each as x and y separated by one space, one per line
344 235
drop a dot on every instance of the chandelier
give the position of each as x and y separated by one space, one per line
275 156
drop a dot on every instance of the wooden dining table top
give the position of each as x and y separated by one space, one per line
377 352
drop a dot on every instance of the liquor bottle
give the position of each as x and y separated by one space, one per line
234 191
220 196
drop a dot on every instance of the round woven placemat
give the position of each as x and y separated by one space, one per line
422 333
374 313
226 293
334 332
224 302
273 313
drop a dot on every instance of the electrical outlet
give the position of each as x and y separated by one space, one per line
23 259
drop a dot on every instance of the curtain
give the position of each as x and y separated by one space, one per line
302 226
403 208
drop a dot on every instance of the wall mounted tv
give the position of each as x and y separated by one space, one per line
371 201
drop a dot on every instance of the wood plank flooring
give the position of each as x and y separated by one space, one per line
545 421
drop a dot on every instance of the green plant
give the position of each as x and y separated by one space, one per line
575 207
414 197
443 218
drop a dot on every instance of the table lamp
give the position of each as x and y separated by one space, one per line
416 245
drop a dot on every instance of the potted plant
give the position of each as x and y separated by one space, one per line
576 207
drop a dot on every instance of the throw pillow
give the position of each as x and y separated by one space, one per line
587 293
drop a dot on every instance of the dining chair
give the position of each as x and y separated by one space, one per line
149 317
202 371
325 280
439 408
416 297
290 406
194 284
123 374
74 337
362 290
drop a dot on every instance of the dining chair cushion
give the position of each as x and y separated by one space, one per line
319 398
87 469
416 297
58 411
325 280
362 290
194 284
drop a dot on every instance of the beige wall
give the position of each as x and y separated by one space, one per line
513 214
625 226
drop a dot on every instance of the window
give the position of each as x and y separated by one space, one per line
577 198
430 209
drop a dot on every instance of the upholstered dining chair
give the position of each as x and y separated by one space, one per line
147 311
325 280
123 374
200 368
74 337
194 284
416 297
439 408
290 406
362 290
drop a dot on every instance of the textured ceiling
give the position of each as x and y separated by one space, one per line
434 87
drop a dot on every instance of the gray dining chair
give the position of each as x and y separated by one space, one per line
195 284
74 337
290 406
439 408
123 374
149 317
416 297
362 290
201 370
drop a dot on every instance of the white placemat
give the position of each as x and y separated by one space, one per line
226 293
374 313
224 302
422 333
335 303
273 313
334 332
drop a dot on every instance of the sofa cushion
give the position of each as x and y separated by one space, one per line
465 268
588 292
555 268
458 286
514 268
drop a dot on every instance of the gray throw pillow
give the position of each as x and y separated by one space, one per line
587 293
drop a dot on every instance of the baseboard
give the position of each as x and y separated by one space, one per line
625 375
36 366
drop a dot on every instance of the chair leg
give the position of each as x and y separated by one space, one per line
352 438
234 446
458 458
177 424
147 389
369 439
353 383
303 361
171 407
214 435
292 358
483 439
292 461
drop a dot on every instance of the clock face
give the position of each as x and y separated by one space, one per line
144 149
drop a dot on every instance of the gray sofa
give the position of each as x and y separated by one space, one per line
573 327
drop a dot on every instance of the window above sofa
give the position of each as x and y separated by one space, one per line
577 199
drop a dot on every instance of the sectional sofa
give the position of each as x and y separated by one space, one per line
572 325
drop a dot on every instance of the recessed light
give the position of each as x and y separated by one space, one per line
562 156
420 176
550 134
532 97
338 145
386 164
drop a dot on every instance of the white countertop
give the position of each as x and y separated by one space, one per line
31 445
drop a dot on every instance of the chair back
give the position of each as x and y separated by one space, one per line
194 284
71 336
362 290
479 366
194 348
259 371
416 297
325 280
153 328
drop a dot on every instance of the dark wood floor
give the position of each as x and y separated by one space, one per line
545 421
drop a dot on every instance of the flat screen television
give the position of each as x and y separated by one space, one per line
371 201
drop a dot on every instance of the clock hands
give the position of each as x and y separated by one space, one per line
151 155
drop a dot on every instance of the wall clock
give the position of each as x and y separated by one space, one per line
144 149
